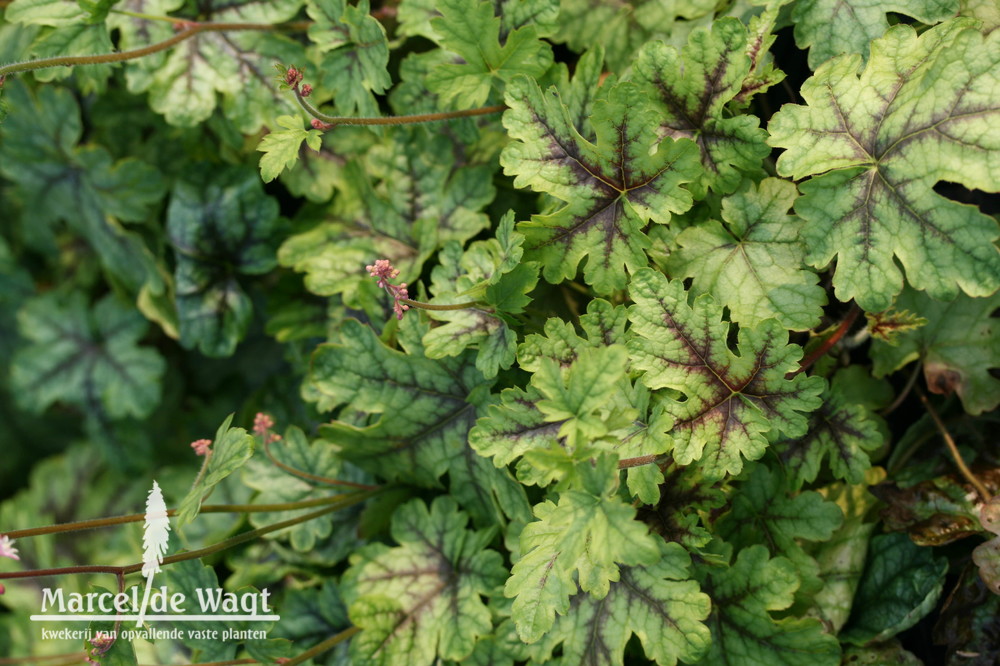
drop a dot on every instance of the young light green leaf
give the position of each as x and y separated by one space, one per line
743 631
573 398
281 148
901 584
690 89
612 188
589 533
754 264
470 29
355 54
88 357
657 603
958 347
421 600
221 227
735 404
922 111
422 413
830 28
230 450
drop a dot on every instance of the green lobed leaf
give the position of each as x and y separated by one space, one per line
690 89
422 599
844 431
590 533
754 263
764 511
281 148
735 405
220 228
624 28
355 54
657 603
901 584
743 631
921 111
958 347
230 450
612 187
86 356
81 185
419 413
470 29
830 28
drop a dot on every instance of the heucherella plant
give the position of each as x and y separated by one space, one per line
538 324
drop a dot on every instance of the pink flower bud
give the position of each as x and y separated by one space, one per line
200 446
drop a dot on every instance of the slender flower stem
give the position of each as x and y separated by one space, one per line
828 344
104 58
394 120
346 501
626 463
311 477
432 306
320 648
81 525
962 467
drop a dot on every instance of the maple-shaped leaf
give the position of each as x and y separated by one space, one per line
422 600
418 413
923 110
470 29
488 272
754 263
415 16
959 348
764 511
843 431
743 631
407 197
355 54
186 86
734 404
690 89
832 27
612 187
624 27
684 498
86 356
658 603
584 539
221 227
80 184
281 148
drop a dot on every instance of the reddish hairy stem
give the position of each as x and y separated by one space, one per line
828 344
348 500
105 58
625 463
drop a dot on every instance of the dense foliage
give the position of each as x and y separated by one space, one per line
577 374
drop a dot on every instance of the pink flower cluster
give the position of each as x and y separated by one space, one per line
200 446
101 642
262 424
383 270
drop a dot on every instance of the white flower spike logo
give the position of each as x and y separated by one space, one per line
154 542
